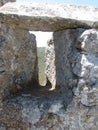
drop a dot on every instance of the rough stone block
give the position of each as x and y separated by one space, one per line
88 41
49 17
58 53
18 59
50 69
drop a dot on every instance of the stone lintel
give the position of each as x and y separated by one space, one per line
48 17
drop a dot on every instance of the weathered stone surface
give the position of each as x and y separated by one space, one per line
87 92
50 69
85 66
18 58
2 2
89 96
63 40
59 53
46 17
54 111
88 41
71 63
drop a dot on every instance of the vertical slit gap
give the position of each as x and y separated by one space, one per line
41 40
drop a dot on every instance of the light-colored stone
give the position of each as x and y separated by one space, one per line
50 64
48 17
88 41
85 62
85 67
63 41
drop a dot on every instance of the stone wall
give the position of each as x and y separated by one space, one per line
71 65
85 67
71 60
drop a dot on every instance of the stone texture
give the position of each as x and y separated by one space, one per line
88 41
2 2
42 112
71 64
50 69
59 51
67 61
46 17
18 58
85 66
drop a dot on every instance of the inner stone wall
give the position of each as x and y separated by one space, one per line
18 62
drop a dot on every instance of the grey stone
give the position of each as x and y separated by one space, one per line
88 41
18 66
89 99
59 57
71 64
89 95
63 41
87 91
55 108
27 113
83 65
2 128
24 62
31 110
47 17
